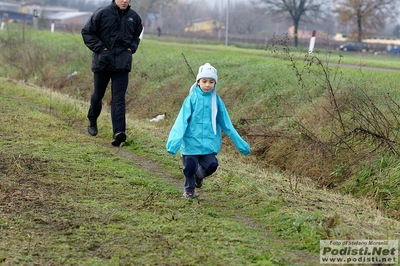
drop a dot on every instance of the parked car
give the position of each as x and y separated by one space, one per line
355 46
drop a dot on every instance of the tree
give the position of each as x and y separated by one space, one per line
396 31
143 7
244 19
180 15
296 9
364 16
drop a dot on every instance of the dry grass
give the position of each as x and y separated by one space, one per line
287 109
62 188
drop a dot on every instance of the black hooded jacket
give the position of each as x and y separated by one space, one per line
117 30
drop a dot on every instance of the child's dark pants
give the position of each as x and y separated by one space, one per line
199 166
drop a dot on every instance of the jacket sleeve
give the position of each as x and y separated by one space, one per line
136 38
90 33
179 128
225 123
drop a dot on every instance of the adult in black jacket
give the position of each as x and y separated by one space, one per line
113 34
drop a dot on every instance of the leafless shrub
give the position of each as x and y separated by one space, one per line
26 59
342 129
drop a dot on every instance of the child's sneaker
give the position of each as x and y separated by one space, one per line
198 182
188 195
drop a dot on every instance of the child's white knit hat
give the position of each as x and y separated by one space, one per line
208 71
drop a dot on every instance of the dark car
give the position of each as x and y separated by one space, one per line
355 46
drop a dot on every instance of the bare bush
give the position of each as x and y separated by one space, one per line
342 129
28 60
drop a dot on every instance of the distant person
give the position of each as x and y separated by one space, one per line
158 31
197 130
395 49
389 49
113 34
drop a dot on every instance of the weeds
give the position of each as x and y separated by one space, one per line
304 114
293 181
132 212
325 124
343 128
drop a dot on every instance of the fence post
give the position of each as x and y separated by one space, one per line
35 20
312 43
4 20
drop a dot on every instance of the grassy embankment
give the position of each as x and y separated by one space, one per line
68 198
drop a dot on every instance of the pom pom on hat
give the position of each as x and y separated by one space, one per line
207 71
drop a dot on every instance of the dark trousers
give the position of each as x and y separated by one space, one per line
119 85
199 166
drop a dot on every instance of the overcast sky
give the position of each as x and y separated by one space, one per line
209 2
223 2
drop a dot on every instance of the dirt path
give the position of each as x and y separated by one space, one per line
301 258
39 199
150 166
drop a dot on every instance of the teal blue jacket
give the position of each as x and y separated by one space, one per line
192 132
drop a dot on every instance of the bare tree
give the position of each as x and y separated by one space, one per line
244 19
365 15
180 15
396 31
295 8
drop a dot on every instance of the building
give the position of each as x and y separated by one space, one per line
6 7
16 17
60 16
29 7
206 25
69 18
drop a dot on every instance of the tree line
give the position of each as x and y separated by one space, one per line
361 18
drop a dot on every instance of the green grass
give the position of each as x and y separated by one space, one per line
78 201
68 198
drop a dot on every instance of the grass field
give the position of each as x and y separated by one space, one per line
67 198
70 199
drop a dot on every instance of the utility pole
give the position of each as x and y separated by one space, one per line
160 15
35 19
227 24
220 20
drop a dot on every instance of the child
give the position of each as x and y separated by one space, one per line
197 130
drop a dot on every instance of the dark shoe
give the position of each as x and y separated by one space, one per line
198 182
92 130
118 139
188 195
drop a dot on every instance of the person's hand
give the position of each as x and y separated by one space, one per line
171 152
245 149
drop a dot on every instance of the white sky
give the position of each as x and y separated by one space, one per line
209 2
223 2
